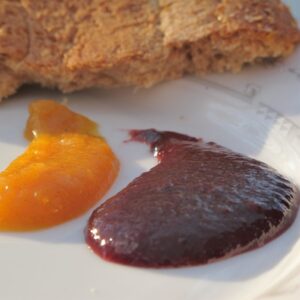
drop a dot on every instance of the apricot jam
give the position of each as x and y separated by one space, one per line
50 117
62 174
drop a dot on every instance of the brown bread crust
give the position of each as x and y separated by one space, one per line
77 44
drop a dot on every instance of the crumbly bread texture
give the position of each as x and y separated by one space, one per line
76 44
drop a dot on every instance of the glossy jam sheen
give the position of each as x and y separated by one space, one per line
61 174
201 203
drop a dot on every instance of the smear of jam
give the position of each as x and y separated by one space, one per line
65 170
52 118
201 203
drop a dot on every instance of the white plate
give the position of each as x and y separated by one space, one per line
255 112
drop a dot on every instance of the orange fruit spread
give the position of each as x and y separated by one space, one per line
50 117
66 169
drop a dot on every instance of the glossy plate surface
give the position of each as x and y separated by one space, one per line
256 112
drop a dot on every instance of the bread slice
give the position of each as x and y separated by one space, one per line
226 35
76 44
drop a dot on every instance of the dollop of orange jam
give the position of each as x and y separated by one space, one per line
50 117
64 172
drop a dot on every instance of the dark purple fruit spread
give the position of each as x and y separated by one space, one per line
201 203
